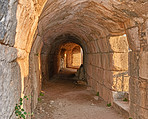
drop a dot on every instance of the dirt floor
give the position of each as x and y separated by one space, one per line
65 99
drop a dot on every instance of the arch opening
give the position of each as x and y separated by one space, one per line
60 55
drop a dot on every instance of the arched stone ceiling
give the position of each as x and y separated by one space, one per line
90 18
83 16
63 39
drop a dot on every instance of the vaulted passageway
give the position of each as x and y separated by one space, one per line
33 31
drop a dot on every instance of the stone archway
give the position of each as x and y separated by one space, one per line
94 21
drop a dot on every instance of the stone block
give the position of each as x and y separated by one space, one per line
143 65
94 46
133 110
107 94
142 98
138 92
118 44
90 60
133 38
130 23
8 21
142 113
105 61
89 80
133 59
133 90
103 45
108 79
99 60
94 85
89 70
7 53
94 72
118 61
89 44
10 90
147 30
94 59
100 76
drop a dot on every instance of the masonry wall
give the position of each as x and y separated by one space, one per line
15 29
94 22
138 71
10 77
109 57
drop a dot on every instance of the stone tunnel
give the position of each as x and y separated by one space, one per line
113 35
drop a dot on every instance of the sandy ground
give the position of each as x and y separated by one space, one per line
65 99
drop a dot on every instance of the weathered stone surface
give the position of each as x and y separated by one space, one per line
7 54
105 61
132 35
8 21
118 44
107 79
133 59
91 23
3 13
147 30
118 61
138 89
143 65
9 89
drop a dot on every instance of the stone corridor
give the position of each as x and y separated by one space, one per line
105 40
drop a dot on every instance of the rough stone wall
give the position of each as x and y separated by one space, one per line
8 21
14 58
119 49
35 70
27 15
93 21
110 59
138 71
10 86
10 83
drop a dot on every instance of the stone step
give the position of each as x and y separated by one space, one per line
122 107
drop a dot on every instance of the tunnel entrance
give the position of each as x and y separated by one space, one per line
71 55
69 61
65 51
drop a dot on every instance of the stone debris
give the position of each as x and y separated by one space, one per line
92 104
96 97
51 102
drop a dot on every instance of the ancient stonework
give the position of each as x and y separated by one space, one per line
112 33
